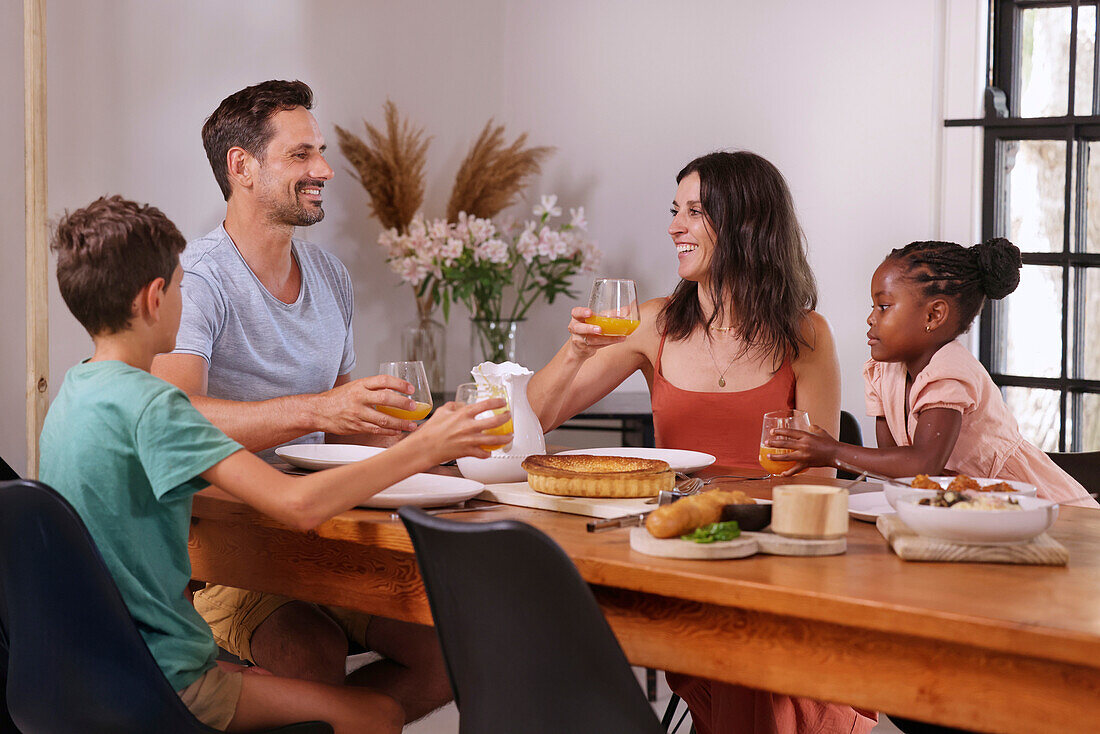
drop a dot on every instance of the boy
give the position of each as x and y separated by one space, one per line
128 451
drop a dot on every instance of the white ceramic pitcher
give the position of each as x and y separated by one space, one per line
504 465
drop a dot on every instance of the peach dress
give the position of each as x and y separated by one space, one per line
727 425
989 444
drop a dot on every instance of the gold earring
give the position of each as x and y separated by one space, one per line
928 328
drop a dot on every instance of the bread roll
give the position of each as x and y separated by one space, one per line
694 511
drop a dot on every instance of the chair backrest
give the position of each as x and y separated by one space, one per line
7 474
851 433
526 645
75 659
1084 466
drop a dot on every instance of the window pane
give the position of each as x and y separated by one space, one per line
1035 178
1038 413
1044 62
1089 283
1092 198
1029 322
1090 423
1086 31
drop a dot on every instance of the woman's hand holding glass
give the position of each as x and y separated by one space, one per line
470 393
611 316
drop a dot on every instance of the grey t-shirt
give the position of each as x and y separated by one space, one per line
256 346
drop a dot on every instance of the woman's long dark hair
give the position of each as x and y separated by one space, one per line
759 260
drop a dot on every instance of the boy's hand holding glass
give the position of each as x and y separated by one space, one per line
471 393
771 453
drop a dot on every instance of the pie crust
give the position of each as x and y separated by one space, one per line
583 475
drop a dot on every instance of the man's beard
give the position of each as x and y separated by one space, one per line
293 213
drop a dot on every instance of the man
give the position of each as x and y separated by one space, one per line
264 351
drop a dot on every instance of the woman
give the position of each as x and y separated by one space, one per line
737 338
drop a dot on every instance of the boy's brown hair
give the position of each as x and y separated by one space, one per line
243 119
106 253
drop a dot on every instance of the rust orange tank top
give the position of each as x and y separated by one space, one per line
725 424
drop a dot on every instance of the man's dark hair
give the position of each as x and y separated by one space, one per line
243 119
106 253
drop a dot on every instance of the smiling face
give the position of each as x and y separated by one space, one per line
691 231
899 315
291 176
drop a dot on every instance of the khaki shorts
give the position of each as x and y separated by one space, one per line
234 614
213 697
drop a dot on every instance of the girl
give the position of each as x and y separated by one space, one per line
936 407
737 338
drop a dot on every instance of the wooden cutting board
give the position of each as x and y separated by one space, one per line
745 545
521 494
1041 550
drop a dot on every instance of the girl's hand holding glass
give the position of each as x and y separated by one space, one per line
797 419
414 374
470 393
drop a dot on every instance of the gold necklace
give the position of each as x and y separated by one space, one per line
721 373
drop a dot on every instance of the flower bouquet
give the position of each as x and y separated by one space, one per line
497 273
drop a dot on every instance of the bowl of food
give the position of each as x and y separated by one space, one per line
929 486
976 518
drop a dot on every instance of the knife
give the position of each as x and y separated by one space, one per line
627 521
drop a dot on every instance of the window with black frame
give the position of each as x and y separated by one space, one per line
1041 190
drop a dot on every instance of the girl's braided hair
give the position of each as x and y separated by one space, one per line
966 275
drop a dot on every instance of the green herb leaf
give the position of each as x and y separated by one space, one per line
715 532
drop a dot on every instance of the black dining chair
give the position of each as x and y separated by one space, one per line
7 474
850 433
1084 466
526 645
71 654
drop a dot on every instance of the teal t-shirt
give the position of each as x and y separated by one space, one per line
126 448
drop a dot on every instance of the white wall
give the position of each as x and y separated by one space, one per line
846 98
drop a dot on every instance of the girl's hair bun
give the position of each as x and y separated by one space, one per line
998 262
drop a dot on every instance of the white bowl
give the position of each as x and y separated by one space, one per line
978 527
900 486
494 470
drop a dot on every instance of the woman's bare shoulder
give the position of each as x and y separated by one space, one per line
817 340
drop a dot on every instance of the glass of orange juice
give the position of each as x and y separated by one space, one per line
414 374
614 305
470 392
779 419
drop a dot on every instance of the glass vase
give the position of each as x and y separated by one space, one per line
493 340
426 340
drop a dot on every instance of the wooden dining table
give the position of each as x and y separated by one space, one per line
987 647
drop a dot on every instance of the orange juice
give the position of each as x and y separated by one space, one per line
770 465
419 413
613 326
501 430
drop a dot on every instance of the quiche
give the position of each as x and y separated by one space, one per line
582 475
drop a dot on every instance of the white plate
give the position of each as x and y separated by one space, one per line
901 487
679 459
426 490
325 455
978 527
867 506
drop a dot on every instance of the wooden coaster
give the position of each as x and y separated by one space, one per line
643 542
1041 550
745 545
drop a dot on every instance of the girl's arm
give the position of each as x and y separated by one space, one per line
934 440
590 365
306 502
817 379
883 438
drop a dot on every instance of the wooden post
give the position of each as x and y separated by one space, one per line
37 256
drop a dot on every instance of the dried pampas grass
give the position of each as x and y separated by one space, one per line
390 167
492 175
